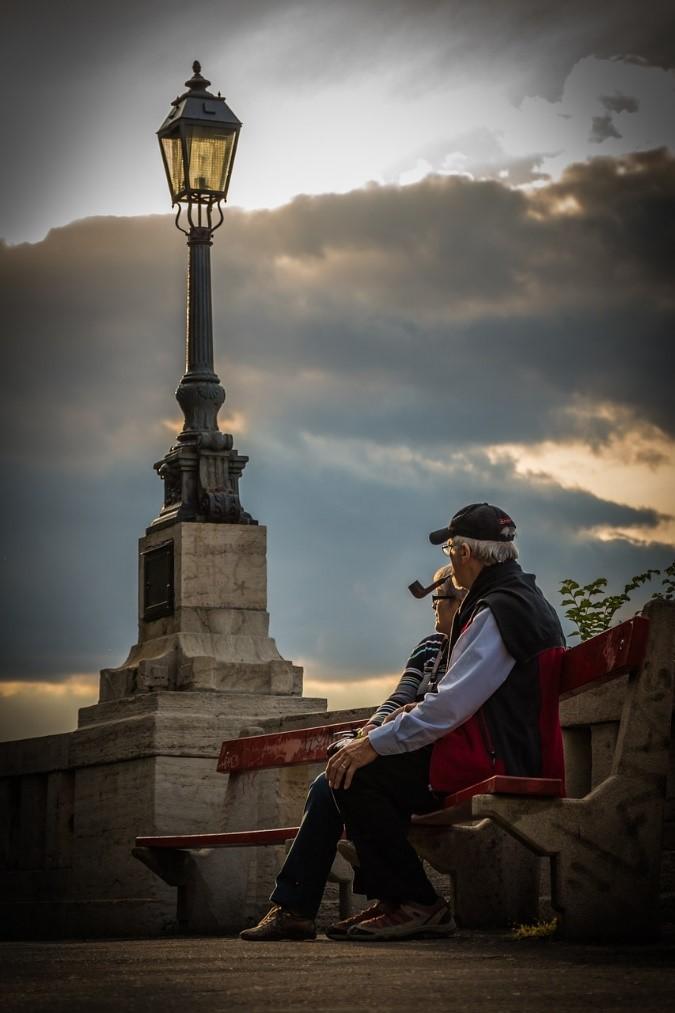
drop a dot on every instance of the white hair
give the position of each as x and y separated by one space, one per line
447 587
487 552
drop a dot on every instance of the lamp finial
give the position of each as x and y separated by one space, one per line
197 83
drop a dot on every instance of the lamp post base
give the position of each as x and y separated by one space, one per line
201 482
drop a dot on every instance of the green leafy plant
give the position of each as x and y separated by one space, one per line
592 610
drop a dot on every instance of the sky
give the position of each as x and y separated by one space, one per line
445 275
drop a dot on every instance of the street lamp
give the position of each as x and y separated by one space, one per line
201 471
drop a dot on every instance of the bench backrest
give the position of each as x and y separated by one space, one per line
607 656
281 749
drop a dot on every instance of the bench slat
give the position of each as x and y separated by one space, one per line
236 839
457 807
502 784
604 657
281 749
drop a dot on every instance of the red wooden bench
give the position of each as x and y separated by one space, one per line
510 801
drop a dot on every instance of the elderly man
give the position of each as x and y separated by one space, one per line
496 711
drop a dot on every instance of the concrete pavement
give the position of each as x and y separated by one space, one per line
470 972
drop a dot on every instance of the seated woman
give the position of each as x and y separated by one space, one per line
302 879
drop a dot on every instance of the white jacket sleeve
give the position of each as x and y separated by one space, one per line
479 664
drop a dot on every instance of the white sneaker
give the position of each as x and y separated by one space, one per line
407 921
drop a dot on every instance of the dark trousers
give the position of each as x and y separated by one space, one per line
376 811
302 879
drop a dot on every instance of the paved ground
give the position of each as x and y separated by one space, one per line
470 972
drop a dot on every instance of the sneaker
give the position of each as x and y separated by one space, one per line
280 924
407 921
341 929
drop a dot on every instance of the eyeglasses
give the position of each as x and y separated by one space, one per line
442 597
447 548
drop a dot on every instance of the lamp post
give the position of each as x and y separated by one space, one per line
201 471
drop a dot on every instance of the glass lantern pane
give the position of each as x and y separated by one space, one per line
174 160
209 158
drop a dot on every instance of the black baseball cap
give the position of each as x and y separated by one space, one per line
482 521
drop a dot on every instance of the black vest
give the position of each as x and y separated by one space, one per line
530 629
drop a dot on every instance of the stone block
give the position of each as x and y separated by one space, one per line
285 679
189 796
599 704
216 566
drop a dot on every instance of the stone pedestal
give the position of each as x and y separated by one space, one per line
215 633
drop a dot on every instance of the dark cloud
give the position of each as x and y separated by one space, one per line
541 39
620 103
73 41
377 343
602 128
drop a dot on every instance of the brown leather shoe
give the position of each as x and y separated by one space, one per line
280 924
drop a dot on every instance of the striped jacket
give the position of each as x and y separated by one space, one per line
425 666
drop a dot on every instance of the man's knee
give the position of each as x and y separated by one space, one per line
320 795
372 777
319 789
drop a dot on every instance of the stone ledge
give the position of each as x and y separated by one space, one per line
36 755
212 703
132 732
289 722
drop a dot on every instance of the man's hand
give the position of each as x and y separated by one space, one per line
346 761
399 710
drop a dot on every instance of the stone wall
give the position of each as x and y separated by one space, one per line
71 806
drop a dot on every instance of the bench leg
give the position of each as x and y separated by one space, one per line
605 852
342 873
170 864
495 879
346 895
212 885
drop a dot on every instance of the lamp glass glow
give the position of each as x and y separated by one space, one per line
198 162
